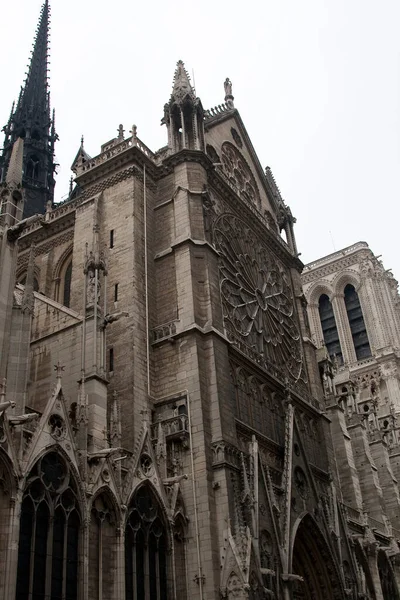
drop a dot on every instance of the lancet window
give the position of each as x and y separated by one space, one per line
329 329
67 284
145 549
32 167
48 551
356 322
102 550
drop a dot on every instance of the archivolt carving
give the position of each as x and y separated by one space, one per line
349 276
257 298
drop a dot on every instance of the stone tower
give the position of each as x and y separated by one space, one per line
171 437
30 119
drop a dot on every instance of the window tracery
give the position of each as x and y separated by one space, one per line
329 328
145 549
356 322
102 558
239 173
49 533
257 298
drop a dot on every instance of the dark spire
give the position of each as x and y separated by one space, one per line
31 120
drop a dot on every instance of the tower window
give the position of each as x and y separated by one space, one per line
111 360
116 292
32 167
329 329
112 238
356 322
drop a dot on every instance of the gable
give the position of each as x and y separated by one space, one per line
227 142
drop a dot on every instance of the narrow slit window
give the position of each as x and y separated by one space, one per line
111 359
112 238
116 292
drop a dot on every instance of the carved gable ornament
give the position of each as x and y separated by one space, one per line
239 173
257 299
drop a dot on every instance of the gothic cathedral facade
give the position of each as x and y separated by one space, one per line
169 428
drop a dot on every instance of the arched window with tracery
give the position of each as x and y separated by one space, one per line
48 551
180 559
102 549
356 322
145 549
329 329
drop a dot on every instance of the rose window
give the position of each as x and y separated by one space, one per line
239 174
257 298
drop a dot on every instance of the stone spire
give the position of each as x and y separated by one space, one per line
31 120
182 88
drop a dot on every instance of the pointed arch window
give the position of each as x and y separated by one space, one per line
145 550
180 558
67 285
32 167
102 549
48 548
356 322
329 328
63 280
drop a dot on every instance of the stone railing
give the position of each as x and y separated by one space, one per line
113 151
335 256
176 427
353 514
163 332
377 526
217 110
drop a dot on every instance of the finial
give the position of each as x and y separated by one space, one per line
59 369
228 92
133 131
121 132
14 171
82 140
71 183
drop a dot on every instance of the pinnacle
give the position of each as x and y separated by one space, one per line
181 87
14 172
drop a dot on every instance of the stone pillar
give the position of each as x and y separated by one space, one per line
387 481
367 471
346 466
342 324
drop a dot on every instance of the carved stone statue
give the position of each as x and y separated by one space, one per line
228 87
91 285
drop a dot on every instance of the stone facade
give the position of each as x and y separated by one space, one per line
164 429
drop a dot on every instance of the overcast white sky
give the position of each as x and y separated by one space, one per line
317 83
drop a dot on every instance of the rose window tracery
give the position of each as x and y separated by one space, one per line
257 298
239 174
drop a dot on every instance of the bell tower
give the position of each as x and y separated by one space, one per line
30 119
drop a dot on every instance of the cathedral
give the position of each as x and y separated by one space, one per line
186 410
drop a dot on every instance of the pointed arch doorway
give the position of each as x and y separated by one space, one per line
312 560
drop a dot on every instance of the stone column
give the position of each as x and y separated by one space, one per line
343 326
